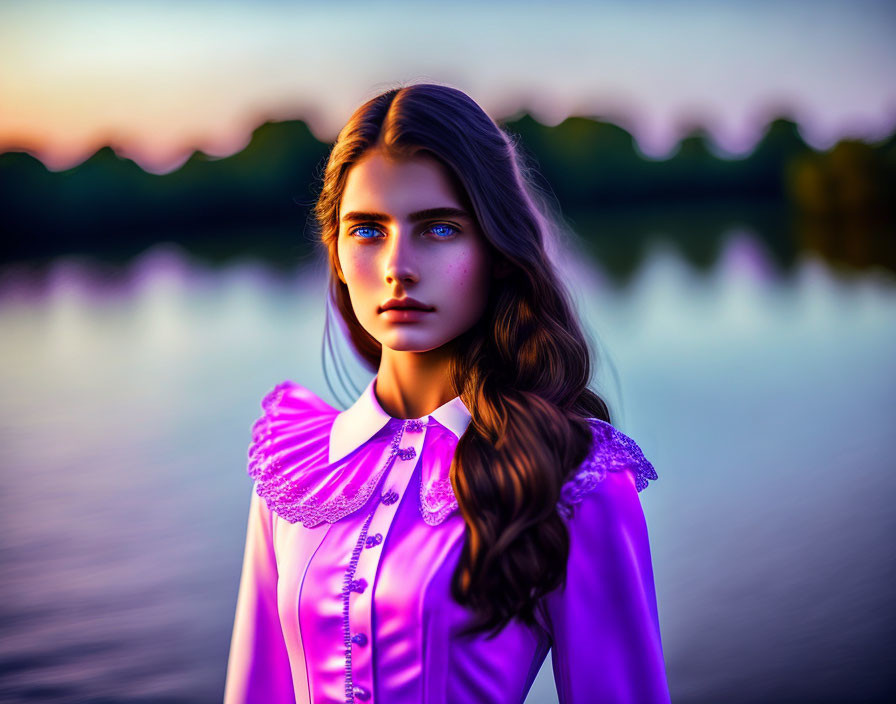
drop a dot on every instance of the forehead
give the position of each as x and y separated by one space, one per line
398 186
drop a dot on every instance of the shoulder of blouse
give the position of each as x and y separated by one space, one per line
611 451
289 440
289 459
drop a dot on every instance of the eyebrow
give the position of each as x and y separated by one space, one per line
428 214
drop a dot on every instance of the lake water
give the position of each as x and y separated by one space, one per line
765 402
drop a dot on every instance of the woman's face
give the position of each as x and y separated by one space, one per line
404 233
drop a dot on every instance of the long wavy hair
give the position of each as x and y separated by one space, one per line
523 370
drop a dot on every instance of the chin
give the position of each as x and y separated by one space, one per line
410 341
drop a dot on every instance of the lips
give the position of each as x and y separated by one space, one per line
404 304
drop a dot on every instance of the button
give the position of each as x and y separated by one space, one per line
359 638
373 540
359 585
360 693
390 497
407 453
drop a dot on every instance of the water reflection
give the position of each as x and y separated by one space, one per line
765 403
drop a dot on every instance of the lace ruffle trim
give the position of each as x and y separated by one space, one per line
296 480
280 463
438 501
287 457
612 451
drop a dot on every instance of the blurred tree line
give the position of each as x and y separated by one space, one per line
838 203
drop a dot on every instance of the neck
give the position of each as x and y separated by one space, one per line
413 384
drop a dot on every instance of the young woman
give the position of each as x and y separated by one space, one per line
474 508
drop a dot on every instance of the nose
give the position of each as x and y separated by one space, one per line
401 266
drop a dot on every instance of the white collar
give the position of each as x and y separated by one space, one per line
357 424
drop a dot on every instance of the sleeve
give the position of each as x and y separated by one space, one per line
604 622
258 665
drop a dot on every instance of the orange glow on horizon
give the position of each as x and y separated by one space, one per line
158 81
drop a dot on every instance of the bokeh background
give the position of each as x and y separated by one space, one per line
727 171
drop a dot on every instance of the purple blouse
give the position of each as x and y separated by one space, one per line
352 538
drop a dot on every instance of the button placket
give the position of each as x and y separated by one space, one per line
375 532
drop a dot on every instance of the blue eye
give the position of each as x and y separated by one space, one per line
361 229
442 228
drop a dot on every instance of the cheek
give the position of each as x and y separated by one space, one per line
468 277
358 270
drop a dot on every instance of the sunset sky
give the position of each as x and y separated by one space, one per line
159 79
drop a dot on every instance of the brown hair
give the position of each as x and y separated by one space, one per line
522 371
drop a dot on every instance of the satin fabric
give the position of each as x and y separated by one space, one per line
351 543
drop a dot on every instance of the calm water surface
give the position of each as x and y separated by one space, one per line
767 406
